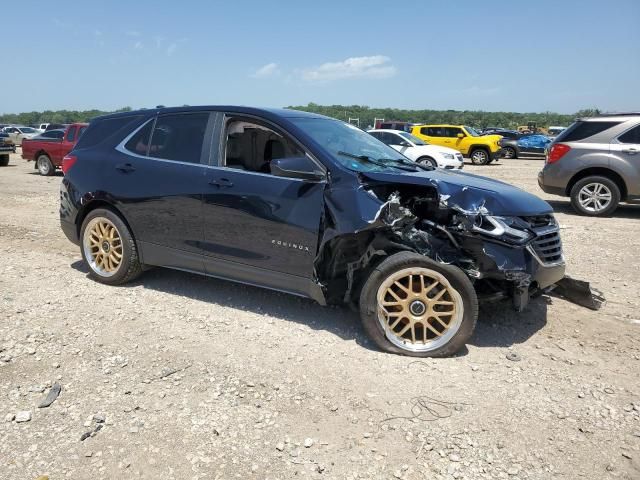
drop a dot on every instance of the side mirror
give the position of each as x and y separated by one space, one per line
461 135
296 167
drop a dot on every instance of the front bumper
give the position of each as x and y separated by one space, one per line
520 272
497 154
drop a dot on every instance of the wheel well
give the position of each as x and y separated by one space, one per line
603 172
91 206
472 148
37 154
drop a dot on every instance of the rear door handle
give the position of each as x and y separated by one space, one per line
125 167
631 151
221 182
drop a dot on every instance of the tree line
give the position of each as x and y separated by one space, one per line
55 116
366 115
475 118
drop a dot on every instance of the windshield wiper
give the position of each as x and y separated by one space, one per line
363 157
408 163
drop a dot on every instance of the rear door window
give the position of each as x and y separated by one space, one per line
139 142
581 130
179 137
631 136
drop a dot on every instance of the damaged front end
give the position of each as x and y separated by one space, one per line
505 252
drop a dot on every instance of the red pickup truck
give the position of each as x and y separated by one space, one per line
48 149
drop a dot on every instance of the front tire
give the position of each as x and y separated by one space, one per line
44 165
108 248
428 161
412 305
4 160
480 156
595 196
510 152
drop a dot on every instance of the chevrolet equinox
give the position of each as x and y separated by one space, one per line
308 205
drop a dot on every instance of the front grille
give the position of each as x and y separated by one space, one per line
547 245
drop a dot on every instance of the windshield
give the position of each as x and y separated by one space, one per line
472 131
27 130
351 147
412 139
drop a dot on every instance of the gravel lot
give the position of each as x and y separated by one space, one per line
185 377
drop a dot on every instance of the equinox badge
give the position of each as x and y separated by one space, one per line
295 246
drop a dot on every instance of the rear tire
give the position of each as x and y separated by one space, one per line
4 160
44 165
431 288
427 161
480 156
595 196
108 248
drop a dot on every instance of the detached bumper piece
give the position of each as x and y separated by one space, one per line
579 292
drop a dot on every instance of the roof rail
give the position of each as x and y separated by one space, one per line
618 114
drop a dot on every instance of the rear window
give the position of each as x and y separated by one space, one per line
581 130
99 130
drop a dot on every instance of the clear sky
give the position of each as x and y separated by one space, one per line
533 55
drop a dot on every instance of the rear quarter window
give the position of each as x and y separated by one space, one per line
581 130
99 130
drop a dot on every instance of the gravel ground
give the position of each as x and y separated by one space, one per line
178 376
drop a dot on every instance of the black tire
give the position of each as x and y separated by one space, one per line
427 161
509 152
398 262
130 266
44 165
480 156
4 160
586 183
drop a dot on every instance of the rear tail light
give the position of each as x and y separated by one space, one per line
557 151
67 162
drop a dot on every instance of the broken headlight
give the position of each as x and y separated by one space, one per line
508 229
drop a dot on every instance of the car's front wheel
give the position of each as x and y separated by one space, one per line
428 161
414 306
595 196
108 248
510 152
44 165
480 156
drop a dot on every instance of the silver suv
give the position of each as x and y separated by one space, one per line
596 162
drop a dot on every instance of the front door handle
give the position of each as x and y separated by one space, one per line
125 167
631 151
221 182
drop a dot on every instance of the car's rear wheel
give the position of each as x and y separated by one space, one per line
4 160
428 161
44 165
414 306
108 248
595 196
509 152
480 156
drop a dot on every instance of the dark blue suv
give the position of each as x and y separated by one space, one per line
308 205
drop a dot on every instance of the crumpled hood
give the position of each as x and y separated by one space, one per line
469 192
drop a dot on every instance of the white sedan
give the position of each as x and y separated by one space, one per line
18 132
418 150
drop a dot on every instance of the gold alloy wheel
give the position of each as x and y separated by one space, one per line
418 309
102 246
